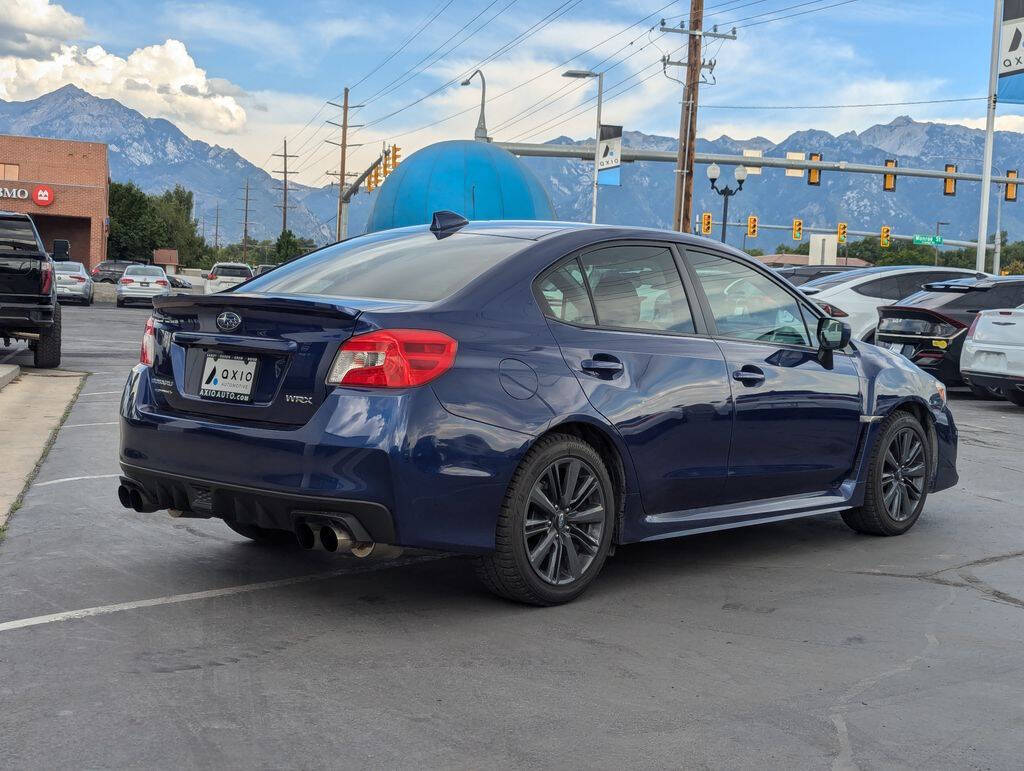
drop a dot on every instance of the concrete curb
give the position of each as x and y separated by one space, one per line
8 373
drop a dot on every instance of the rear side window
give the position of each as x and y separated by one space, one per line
565 295
16 235
637 287
408 267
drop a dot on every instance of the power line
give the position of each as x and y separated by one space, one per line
402 47
792 15
838 106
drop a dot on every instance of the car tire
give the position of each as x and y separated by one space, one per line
981 392
897 483
548 555
262 535
119 303
1015 395
46 354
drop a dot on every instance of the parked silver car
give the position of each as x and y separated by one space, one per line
74 284
141 283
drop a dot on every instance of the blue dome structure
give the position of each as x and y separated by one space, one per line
469 177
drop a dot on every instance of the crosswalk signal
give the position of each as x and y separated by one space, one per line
841 232
705 223
798 230
1011 187
889 180
949 183
752 226
814 175
884 239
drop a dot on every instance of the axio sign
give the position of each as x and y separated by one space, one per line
1011 53
41 195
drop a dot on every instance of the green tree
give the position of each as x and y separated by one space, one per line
174 209
135 228
289 247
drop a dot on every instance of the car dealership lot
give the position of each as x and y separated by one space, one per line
799 644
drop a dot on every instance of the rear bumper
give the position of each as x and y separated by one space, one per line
73 292
1001 382
139 293
25 316
439 479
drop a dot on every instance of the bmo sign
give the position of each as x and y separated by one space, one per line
41 195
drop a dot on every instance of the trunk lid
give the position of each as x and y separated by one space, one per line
1000 327
264 362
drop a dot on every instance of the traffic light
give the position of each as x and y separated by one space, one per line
814 175
1011 187
798 230
841 232
396 155
949 183
889 180
705 224
373 181
884 240
752 226
385 163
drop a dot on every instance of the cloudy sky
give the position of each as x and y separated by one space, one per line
245 74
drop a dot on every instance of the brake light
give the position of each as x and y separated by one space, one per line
147 353
974 325
46 279
161 282
127 281
212 277
393 358
79 279
833 311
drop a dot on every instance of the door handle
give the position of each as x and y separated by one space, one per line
606 366
749 375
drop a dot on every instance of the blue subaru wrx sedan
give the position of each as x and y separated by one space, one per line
531 393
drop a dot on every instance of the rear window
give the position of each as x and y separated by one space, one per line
16 235
143 270
409 267
232 271
68 267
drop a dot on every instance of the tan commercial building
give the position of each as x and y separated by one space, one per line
64 186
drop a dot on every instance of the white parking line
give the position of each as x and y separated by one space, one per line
101 610
75 479
100 393
83 425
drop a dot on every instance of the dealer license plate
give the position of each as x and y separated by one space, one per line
228 377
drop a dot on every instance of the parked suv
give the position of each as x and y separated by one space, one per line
993 355
227 274
527 392
110 271
28 299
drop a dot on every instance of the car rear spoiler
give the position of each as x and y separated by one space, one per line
267 302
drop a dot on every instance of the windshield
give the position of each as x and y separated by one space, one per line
408 267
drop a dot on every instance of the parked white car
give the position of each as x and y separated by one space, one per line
226 274
141 283
856 295
993 354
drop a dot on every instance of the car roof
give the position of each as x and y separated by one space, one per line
14 215
231 264
881 270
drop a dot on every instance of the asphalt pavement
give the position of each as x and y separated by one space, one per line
131 640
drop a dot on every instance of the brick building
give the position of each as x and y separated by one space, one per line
64 186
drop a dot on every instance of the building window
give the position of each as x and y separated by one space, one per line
10 172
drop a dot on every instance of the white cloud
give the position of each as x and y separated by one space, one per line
34 28
158 80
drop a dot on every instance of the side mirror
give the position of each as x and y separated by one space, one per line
61 249
832 334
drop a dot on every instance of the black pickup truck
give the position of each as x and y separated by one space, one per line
28 300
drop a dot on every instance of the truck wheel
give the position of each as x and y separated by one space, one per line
119 302
897 484
555 526
47 352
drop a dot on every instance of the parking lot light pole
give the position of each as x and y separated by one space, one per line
714 172
597 131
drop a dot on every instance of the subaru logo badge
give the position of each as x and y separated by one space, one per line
228 321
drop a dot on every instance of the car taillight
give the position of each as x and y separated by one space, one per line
46 280
95 271
974 325
212 277
147 353
833 311
79 279
127 281
161 282
393 358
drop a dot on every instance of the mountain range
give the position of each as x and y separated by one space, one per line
156 155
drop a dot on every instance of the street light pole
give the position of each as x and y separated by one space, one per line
597 130
714 172
481 124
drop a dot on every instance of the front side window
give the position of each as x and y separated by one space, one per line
746 304
565 295
637 287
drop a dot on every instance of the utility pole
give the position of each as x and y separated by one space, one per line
216 229
204 228
681 215
245 223
998 246
341 226
284 201
990 124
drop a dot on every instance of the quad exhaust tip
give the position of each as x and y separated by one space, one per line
334 539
